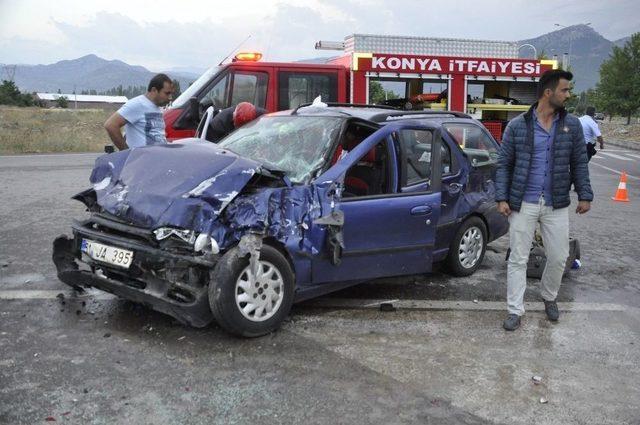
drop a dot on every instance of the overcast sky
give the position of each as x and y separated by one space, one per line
163 34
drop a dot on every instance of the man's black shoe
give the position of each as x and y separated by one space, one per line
551 308
512 322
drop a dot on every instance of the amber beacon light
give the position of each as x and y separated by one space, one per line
248 57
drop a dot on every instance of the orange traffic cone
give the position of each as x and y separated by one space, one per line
621 193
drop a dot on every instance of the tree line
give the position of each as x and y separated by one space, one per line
10 94
130 91
618 92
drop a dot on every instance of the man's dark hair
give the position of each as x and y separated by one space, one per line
591 111
550 79
158 81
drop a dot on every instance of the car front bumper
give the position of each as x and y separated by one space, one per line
170 283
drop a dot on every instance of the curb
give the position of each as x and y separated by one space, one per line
622 144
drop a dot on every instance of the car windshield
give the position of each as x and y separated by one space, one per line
296 145
195 87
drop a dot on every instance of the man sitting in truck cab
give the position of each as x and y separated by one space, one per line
229 119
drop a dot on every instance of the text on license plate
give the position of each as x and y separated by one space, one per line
107 254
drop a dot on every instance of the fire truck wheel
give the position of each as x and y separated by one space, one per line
251 299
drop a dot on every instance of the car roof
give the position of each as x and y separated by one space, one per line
376 113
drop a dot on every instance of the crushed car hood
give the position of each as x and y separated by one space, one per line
184 185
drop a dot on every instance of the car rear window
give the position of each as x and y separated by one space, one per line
478 145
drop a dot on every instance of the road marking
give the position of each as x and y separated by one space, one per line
48 294
369 304
376 303
615 171
613 155
633 155
56 155
343 303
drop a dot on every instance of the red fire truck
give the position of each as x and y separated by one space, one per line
483 78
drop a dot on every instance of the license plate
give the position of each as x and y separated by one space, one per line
107 254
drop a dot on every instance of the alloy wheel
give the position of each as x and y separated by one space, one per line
471 245
259 295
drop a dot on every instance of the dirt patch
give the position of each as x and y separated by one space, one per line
617 129
37 130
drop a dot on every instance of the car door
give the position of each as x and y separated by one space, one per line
454 182
384 234
481 152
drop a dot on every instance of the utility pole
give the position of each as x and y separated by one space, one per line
570 38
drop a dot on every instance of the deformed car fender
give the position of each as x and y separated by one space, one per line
202 187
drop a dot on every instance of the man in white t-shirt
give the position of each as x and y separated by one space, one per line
591 132
141 116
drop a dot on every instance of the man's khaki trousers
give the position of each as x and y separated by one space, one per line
554 227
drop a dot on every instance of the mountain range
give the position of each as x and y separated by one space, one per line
89 72
587 49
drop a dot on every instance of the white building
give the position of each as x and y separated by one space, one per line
83 101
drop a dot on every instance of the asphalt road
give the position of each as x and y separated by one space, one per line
441 357
613 159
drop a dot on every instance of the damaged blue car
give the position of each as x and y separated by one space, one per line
294 205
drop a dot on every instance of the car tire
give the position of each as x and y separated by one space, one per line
242 308
467 247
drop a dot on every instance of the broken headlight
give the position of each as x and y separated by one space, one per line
204 242
188 236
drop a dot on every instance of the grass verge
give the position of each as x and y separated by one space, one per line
37 130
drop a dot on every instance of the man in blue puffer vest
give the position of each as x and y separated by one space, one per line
542 154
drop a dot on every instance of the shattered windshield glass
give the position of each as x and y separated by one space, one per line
295 145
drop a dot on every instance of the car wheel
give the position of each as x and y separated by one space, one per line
249 303
467 248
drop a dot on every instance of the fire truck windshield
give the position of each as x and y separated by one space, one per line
195 87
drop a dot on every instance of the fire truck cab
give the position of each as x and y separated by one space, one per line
485 79
269 85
